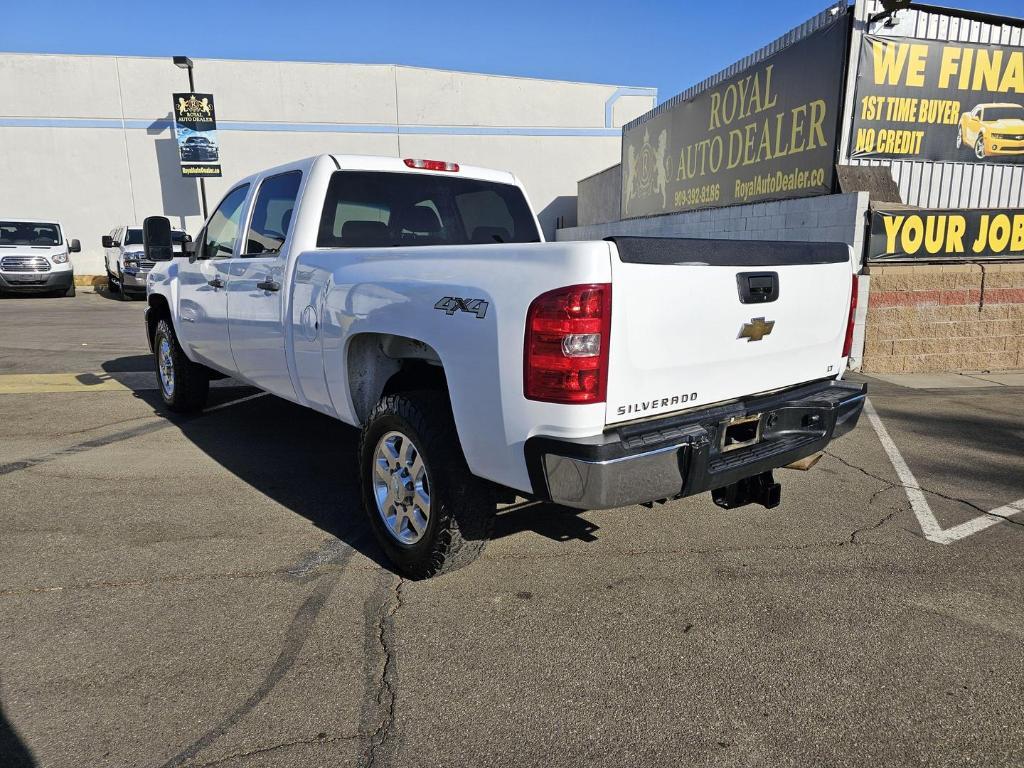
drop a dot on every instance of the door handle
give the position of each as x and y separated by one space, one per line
216 282
269 285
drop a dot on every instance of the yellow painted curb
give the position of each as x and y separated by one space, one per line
46 383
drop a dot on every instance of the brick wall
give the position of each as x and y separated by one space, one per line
965 317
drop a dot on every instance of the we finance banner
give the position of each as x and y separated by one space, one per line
939 235
931 100
767 133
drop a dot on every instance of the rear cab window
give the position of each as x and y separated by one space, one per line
366 209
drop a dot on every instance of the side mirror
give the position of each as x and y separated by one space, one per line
156 239
190 249
75 246
108 241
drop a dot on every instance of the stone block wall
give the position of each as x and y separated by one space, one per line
964 317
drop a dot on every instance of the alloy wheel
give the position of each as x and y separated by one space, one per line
401 487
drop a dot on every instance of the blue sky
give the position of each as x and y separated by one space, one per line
669 45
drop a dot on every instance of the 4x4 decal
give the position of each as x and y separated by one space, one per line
451 304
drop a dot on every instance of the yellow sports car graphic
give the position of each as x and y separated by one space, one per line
991 130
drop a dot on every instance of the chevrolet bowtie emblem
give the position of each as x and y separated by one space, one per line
756 329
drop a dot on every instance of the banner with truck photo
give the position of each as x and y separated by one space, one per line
931 100
195 129
766 133
946 235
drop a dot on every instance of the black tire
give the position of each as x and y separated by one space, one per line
189 383
112 285
979 147
462 508
70 292
122 293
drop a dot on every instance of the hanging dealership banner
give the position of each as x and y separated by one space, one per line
195 126
767 133
932 100
940 235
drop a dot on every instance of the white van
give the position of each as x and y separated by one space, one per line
35 257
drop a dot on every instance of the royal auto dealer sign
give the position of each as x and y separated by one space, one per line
767 133
195 128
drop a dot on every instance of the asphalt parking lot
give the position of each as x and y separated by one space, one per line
204 591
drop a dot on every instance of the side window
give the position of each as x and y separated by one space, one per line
222 232
272 214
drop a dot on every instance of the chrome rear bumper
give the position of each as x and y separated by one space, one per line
682 455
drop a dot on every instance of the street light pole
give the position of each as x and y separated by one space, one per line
184 62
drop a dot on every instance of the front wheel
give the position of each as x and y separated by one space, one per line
429 514
979 147
184 385
959 137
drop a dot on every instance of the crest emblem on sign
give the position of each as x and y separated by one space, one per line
192 105
646 173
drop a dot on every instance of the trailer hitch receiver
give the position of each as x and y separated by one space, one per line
759 489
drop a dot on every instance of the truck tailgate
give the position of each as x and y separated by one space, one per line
682 336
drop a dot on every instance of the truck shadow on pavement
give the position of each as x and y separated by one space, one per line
13 752
306 462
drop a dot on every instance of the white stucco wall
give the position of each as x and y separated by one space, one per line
87 140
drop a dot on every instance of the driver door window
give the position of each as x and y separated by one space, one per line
221 233
272 214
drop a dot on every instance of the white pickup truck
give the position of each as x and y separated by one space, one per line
416 299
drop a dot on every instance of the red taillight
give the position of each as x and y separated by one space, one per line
848 343
431 165
566 351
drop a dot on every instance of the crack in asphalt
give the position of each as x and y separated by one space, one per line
184 579
874 527
939 494
332 552
86 445
320 738
295 637
387 687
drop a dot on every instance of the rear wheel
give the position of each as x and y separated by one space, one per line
184 385
959 137
428 512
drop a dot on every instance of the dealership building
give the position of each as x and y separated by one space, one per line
899 133
89 140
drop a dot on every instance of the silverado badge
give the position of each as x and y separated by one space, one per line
756 329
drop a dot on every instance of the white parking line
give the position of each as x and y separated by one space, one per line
922 510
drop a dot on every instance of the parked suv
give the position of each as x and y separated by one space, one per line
126 265
35 257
